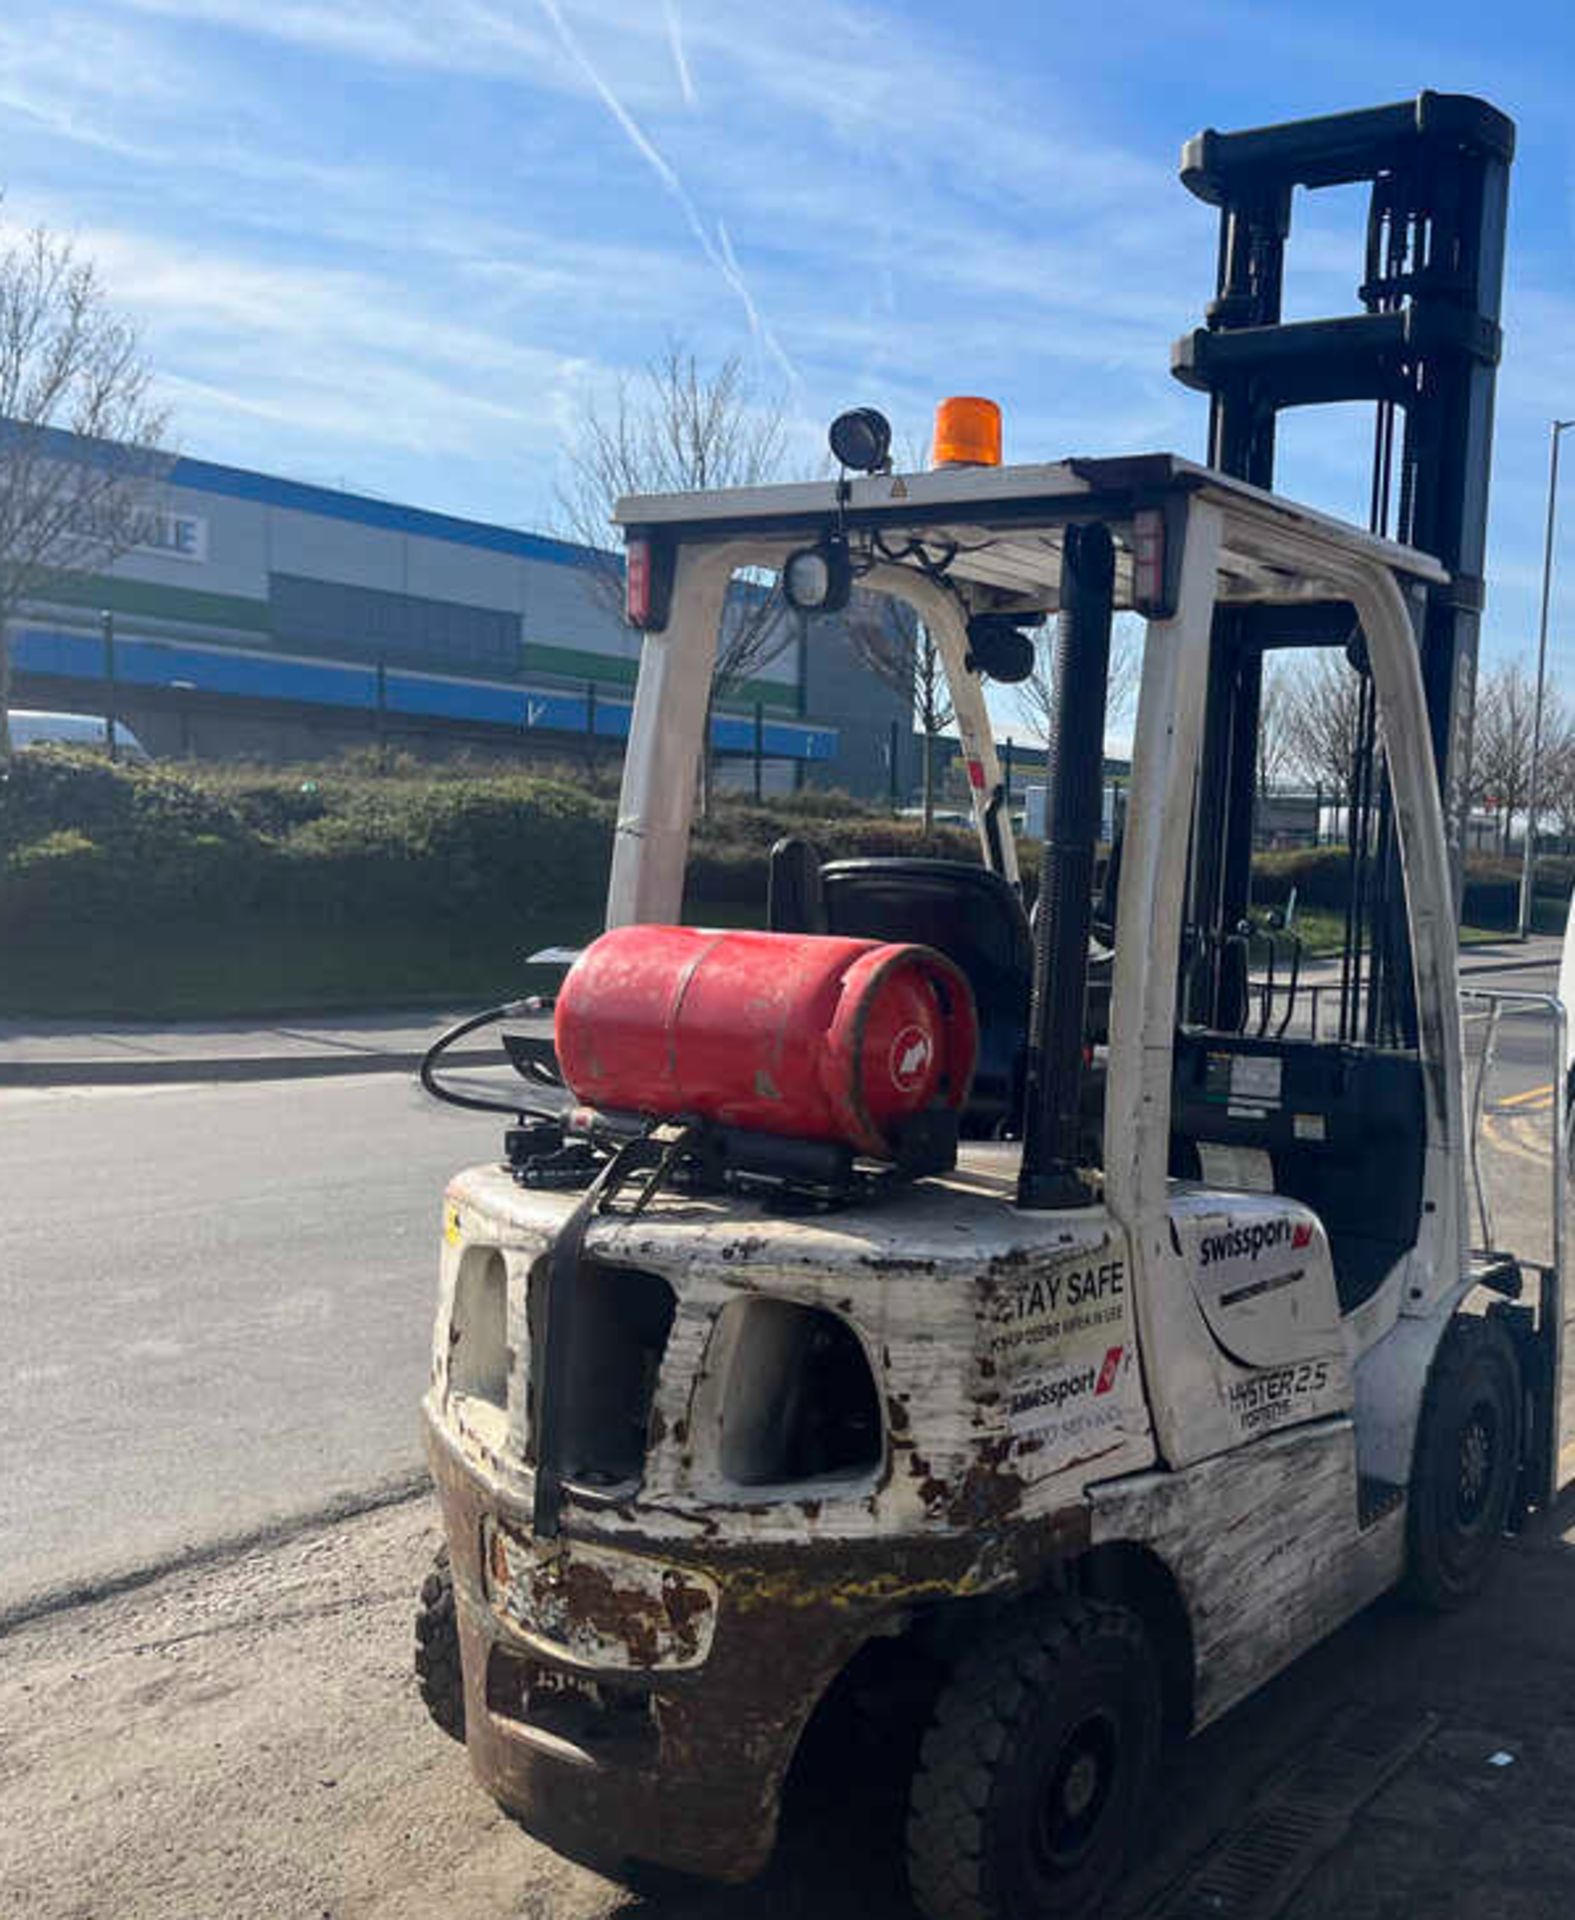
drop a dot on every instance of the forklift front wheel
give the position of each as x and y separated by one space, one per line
438 1671
1033 1778
1467 1460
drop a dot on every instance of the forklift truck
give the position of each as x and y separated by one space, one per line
1154 1346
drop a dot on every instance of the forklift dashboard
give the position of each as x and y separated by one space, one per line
1342 1127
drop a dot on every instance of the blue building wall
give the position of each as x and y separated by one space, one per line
260 601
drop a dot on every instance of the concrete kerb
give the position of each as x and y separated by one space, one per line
227 1067
1541 965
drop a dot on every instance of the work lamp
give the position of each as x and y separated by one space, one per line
861 439
818 579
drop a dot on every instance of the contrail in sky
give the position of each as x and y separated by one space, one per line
675 39
721 257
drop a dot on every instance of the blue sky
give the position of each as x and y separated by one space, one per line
395 243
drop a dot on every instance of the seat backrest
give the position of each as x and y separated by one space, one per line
973 917
795 902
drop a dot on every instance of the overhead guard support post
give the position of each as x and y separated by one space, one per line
1076 763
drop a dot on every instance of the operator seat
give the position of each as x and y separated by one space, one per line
963 911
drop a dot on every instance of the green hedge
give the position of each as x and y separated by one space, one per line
152 889
159 889
729 853
1491 897
82 843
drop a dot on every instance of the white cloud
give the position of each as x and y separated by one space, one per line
445 34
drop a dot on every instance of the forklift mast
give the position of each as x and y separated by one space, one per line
1424 349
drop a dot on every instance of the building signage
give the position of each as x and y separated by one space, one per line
125 527
175 536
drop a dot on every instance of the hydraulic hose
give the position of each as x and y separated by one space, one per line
475 1103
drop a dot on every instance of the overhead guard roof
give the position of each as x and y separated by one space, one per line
1006 523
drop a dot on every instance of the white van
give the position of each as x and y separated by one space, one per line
32 729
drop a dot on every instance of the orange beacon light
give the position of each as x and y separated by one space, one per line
967 433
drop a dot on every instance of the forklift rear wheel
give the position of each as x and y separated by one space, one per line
1034 1776
1467 1460
438 1671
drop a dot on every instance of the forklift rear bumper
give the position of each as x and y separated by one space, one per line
668 1747
631 1698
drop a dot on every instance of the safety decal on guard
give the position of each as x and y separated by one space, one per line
1262 1275
909 1058
1062 1356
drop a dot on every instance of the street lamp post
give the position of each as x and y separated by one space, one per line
185 689
107 628
1529 853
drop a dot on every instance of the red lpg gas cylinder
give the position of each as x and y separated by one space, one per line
808 1035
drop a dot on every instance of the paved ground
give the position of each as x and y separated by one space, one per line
245 1742
1536 950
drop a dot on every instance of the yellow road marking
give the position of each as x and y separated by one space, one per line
1507 1143
1544 1094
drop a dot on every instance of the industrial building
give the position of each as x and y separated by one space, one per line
265 618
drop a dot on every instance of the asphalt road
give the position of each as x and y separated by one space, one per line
217 1303
1524 1040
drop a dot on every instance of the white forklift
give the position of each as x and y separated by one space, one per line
878 1282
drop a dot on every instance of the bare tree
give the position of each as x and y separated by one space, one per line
887 638
932 709
1317 709
1276 754
1501 740
68 362
1036 694
1556 779
678 427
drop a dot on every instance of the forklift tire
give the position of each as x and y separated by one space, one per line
1467 1464
438 1672
1033 1778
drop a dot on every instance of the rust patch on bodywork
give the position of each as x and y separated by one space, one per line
602 1607
618 1613
988 1492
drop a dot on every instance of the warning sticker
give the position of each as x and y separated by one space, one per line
910 1056
1062 1351
1256 1079
1250 1081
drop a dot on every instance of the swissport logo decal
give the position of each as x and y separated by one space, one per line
1066 1385
1246 1243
